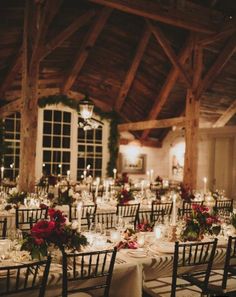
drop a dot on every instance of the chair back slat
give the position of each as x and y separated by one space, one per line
128 211
3 227
90 265
224 206
187 207
166 207
88 213
107 219
25 277
230 266
26 217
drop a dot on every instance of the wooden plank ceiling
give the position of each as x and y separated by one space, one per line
131 56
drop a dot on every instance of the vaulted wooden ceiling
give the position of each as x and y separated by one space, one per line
132 56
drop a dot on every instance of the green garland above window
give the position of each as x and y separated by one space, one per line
113 140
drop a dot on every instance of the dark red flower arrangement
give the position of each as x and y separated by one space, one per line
145 226
54 231
124 196
198 223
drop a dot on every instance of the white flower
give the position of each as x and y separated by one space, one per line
74 225
13 191
70 193
67 222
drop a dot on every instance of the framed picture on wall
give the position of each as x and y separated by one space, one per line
134 165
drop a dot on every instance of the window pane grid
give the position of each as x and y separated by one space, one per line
12 138
56 142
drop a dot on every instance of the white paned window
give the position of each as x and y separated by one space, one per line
12 138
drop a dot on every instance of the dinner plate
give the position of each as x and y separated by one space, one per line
163 247
137 254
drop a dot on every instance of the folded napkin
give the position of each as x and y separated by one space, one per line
127 244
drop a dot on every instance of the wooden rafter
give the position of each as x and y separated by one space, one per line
10 108
169 52
226 31
133 69
87 44
45 15
144 142
66 33
226 116
223 58
162 97
12 72
153 124
176 17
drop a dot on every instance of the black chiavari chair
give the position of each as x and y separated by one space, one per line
191 260
224 206
23 278
129 212
150 216
108 220
3 227
80 267
165 207
227 276
26 217
187 207
88 213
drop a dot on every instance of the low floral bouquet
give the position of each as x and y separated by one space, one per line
56 232
124 196
145 226
198 223
16 197
129 240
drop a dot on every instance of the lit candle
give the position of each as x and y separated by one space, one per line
79 214
151 175
2 172
115 236
114 173
85 174
174 211
142 186
148 175
68 174
157 232
205 185
97 186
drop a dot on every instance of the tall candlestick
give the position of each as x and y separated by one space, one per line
68 174
2 172
174 210
114 173
148 175
205 185
151 175
97 186
142 186
79 214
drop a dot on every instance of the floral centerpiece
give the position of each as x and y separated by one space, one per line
65 195
56 231
198 223
145 226
186 193
16 197
124 196
129 240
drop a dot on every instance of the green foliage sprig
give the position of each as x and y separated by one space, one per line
113 140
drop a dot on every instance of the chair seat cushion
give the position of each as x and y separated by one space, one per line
162 288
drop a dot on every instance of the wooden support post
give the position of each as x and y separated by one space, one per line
192 125
29 113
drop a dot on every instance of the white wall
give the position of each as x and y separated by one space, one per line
216 161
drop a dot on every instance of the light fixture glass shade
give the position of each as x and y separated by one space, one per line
86 109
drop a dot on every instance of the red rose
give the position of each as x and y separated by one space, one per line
56 215
43 229
39 241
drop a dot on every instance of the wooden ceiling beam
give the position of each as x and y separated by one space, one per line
183 18
226 31
152 124
145 142
11 73
133 69
226 116
222 59
10 108
86 46
163 42
170 81
46 11
66 33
